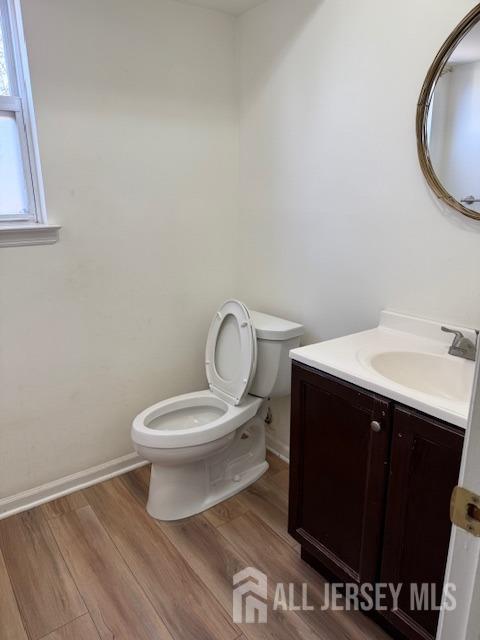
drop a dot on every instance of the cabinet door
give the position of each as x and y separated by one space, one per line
338 470
425 466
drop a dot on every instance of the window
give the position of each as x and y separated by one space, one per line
22 205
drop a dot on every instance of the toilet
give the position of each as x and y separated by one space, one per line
208 445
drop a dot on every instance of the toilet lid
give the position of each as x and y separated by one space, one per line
231 352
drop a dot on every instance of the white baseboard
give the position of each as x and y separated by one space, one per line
94 475
278 448
69 484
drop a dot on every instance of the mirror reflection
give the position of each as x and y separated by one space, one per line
453 126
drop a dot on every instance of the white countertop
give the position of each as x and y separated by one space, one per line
349 358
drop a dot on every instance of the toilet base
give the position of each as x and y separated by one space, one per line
183 490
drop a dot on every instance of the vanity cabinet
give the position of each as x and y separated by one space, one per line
370 487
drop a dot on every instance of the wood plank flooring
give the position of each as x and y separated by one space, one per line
14 630
46 594
80 629
95 566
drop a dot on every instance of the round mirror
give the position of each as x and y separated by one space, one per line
448 119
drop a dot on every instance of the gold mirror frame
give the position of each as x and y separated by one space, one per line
424 105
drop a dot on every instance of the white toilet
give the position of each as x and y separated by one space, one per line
207 446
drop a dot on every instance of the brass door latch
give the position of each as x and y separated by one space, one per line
465 510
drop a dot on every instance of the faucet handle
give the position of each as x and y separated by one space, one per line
461 346
458 334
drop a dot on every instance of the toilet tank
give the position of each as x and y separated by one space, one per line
275 338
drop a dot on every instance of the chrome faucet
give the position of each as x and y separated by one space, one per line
461 347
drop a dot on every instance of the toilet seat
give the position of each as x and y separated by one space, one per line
175 422
198 418
231 352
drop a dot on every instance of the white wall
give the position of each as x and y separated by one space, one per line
337 221
136 110
137 115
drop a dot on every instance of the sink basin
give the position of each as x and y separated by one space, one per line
438 375
404 359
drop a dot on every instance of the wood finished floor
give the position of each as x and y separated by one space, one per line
95 566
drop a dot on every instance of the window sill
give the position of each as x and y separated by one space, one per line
21 235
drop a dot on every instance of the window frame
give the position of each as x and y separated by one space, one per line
18 229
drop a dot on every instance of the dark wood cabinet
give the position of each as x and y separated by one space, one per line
370 486
338 473
425 464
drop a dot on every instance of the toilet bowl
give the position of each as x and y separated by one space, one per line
208 445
